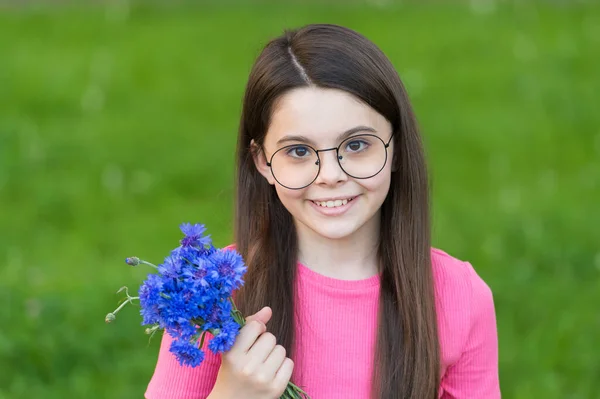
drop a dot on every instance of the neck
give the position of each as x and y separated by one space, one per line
354 257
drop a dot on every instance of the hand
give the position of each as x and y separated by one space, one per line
255 367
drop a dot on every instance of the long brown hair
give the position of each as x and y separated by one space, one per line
407 359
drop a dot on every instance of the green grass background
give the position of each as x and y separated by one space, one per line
118 122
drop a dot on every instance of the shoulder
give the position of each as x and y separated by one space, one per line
463 300
455 277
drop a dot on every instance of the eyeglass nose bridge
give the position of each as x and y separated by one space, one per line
337 151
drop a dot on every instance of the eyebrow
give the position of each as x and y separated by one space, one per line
341 137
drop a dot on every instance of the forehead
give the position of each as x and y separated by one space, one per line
321 115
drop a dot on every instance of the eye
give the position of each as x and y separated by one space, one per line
356 146
298 151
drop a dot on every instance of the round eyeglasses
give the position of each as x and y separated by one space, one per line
297 166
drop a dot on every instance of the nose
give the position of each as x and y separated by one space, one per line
330 173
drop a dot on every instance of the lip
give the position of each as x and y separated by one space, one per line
336 211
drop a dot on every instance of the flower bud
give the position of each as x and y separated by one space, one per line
132 261
151 330
110 318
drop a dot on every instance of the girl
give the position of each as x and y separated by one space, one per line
332 218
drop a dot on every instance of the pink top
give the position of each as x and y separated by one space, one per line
337 322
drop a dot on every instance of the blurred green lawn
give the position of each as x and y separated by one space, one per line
117 123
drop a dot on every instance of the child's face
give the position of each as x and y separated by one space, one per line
321 116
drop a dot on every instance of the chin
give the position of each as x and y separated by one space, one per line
334 230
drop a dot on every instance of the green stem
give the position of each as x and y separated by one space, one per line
149 264
294 392
237 315
128 300
202 339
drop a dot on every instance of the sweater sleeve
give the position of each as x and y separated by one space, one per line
475 374
173 381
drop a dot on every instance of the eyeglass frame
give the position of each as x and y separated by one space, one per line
338 158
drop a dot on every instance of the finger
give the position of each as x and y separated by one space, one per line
283 375
262 348
263 315
253 316
246 338
273 362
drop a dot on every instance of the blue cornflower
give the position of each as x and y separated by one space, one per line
194 235
187 354
215 315
225 339
199 273
150 299
183 331
177 310
192 293
230 268
171 267
188 254
221 311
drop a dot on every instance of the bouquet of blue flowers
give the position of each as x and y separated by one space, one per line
191 295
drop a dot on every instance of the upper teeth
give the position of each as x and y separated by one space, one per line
332 204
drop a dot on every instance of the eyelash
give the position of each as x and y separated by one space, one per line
362 142
292 149
308 149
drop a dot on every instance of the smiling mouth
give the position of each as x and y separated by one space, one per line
333 204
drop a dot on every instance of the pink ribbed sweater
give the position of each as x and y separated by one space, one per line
336 332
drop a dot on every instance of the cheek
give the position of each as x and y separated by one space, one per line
288 197
379 184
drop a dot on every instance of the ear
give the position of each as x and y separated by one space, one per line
260 161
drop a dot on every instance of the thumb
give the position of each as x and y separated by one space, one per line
263 315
